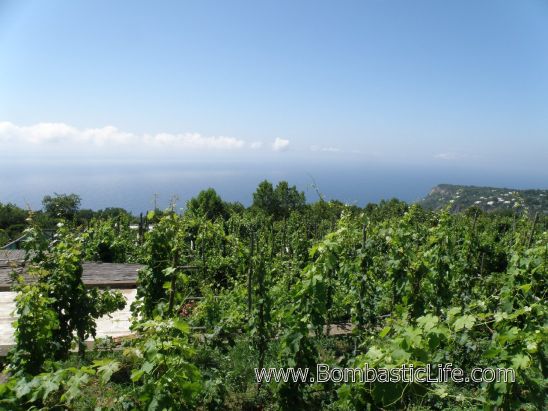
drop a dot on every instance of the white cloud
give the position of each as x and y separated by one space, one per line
39 133
256 145
280 144
325 149
194 141
59 133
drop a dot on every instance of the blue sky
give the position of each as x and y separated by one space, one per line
448 83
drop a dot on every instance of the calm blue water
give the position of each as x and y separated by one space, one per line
133 186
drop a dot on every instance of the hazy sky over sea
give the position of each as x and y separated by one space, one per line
182 95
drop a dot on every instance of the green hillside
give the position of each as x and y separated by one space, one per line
486 198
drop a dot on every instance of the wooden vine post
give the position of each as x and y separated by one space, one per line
141 229
532 234
362 284
173 287
262 343
250 273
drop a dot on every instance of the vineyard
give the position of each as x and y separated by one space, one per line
227 290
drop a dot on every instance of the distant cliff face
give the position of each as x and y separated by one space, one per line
486 198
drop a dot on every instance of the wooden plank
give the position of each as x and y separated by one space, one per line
100 275
7 256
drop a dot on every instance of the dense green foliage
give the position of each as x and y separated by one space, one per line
55 309
277 202
208 204
12 222
63 206
224 293
56 208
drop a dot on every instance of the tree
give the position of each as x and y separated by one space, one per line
288 198
278 202
209 204
264 198
235 207
63 206
114 212
12 222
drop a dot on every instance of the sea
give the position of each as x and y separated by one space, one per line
139 186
